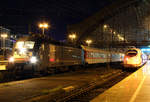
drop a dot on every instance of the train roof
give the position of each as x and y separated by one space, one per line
44 39
92 48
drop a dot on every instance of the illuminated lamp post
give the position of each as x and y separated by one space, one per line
72 37
43 26
88 42
105 26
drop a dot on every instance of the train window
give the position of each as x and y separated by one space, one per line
19 44
29 44
26 44
131 53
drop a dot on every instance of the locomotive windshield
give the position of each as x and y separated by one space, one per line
25 44
24 47
131 53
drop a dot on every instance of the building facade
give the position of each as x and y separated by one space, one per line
5 41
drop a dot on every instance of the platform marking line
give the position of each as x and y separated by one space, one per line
137 90
69 88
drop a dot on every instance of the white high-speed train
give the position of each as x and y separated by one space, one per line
134 58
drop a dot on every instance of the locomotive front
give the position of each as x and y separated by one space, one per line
23 53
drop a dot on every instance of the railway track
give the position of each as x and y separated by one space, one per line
85 92
7 76
99 88
102 79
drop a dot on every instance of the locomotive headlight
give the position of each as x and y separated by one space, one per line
33 59
11 59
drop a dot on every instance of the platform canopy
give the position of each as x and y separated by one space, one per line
123 23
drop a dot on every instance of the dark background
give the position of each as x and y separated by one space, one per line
22 16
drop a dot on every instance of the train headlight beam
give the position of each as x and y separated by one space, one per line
33 59
11 59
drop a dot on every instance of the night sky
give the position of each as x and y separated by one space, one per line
22 16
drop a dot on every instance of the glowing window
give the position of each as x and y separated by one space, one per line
26 44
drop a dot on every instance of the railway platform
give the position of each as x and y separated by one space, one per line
26 90
134 88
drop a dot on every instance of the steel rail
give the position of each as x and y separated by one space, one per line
86 88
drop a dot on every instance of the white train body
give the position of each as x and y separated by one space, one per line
134 58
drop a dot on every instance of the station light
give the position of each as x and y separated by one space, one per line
4 36
114 32
72 36
88 42
105 26
43 26
145 49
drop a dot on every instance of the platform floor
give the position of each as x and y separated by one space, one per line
20 91
134 88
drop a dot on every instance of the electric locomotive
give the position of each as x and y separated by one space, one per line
43 54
